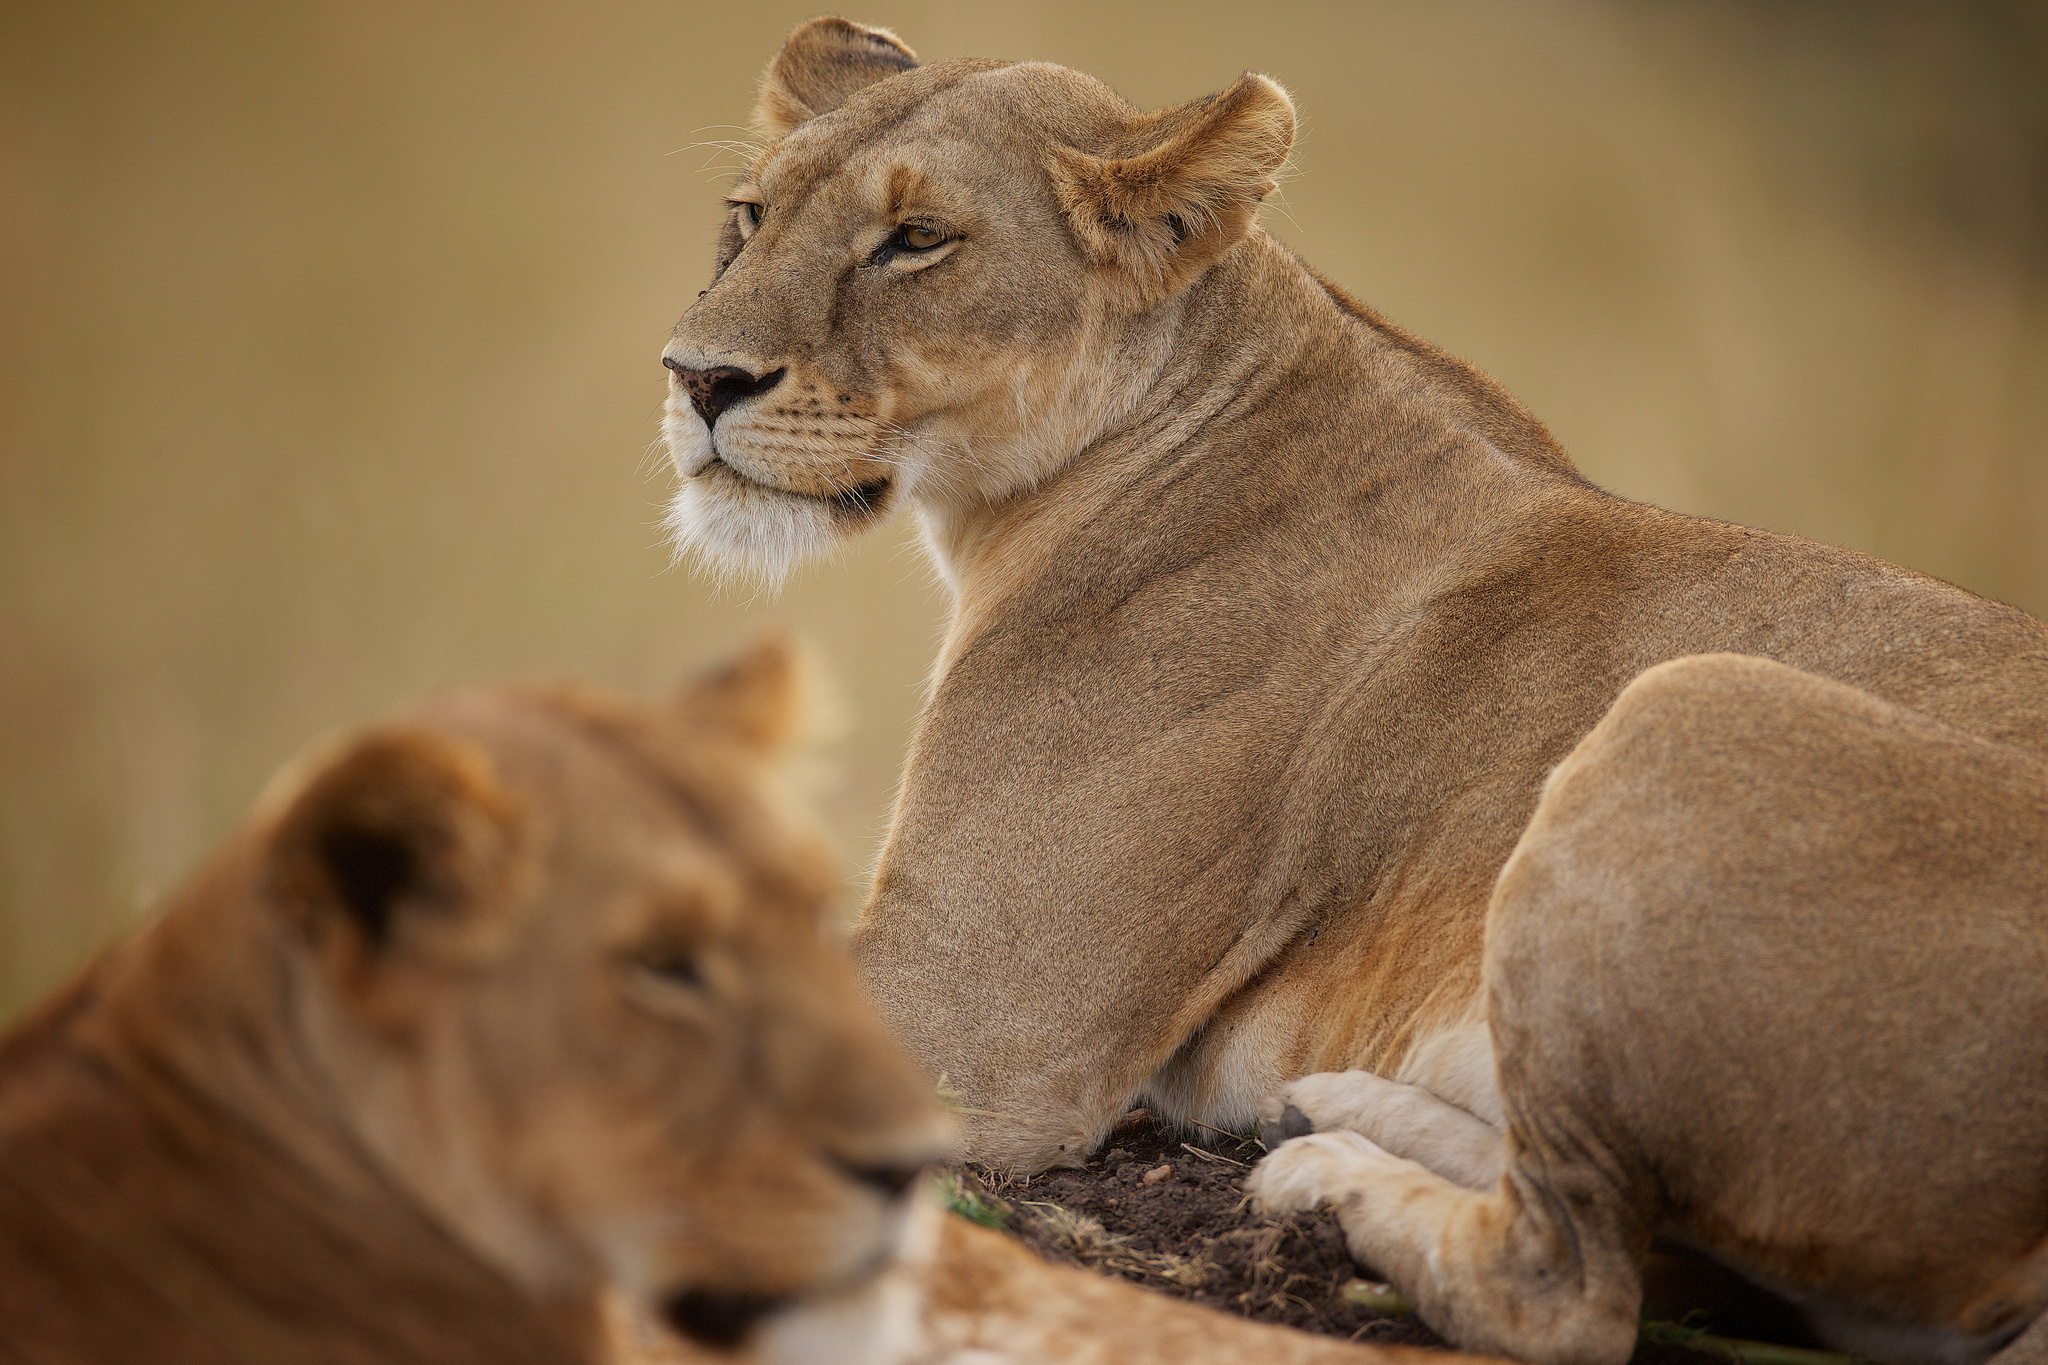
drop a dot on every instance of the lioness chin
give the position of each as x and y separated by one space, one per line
1269 623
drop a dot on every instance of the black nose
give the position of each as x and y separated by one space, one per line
714 390
720 1321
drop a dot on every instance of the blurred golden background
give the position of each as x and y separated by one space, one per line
329 335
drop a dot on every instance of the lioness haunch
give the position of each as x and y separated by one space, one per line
495 1015
1270 621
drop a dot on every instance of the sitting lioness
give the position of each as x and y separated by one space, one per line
505 1033
1269 619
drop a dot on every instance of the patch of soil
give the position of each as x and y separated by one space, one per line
1189 1232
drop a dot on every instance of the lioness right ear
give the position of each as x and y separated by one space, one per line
824 62
762 699
1160 216
397 848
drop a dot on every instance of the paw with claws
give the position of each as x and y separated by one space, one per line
1404 1120
1317 1169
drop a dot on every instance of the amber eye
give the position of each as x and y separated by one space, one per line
916 237
749 210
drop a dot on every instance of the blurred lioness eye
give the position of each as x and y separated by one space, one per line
921 238
671 964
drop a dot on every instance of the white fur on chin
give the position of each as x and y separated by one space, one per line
737 531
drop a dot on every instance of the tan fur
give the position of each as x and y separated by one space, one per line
823 63
956 377
515 1001
1767 970
1270 619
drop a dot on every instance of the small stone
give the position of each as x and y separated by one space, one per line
1157 1174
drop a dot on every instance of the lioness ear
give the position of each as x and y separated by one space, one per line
1163 214
398 848
763 698
823 63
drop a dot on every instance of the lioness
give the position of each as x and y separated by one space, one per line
499 1034
514 1000
1269 619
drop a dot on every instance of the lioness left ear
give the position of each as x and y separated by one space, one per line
821 66
396 849
1163 214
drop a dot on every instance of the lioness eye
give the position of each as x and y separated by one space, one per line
673 965
912 237
749 210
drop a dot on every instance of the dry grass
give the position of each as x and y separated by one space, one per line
1088 1242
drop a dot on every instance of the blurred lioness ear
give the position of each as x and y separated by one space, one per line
396 850
1163 213
766 698
824 62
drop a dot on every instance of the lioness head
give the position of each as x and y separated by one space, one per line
561 955
937 284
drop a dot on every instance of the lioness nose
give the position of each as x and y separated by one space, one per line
714 390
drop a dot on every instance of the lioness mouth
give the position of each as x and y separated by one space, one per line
860 500
720 1321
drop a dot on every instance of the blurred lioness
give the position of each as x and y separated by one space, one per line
1269 619
506 1033
498 1007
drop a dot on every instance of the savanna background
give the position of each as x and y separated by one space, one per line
329 335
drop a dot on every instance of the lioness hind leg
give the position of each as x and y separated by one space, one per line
1516 1270
1405 1120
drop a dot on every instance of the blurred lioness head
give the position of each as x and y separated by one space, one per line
532 972
936 284
570 964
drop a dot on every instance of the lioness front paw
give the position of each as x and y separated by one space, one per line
1311 1170
1281 1122
1317 1104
